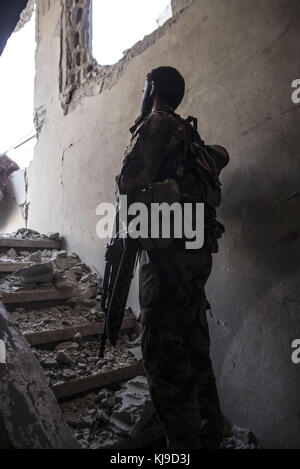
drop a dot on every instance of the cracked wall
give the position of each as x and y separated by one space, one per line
239 59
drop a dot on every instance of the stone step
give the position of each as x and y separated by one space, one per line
67 333
41 295
37 244
97 381
10 267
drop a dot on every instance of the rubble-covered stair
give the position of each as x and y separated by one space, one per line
51 296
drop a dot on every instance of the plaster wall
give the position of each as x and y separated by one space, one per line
239 59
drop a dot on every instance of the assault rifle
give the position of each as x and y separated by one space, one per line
121 258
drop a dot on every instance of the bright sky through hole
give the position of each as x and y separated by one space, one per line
17 70
119 24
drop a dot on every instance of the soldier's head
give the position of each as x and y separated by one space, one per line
164 85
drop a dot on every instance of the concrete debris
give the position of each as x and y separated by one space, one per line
111 417
49 268
11 253
79 357
24 254
67 346
36 256
54 236
77 338
102 416
27 233
83 303
63 358
128 419
137 353
51 318
64 261
68 375
135 410
38 273
49 364
240 438
87 356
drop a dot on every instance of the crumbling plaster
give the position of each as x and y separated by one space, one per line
239 59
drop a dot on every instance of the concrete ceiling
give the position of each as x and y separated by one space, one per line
9 16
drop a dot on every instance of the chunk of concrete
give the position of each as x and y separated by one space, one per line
136 408
11 253
39 273
30 417
36 256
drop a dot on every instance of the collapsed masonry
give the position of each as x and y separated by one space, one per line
52 299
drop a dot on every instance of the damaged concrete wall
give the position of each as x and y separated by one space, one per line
239 59
13 206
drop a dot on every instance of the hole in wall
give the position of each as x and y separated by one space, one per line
118 24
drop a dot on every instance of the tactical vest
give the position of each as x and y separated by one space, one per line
197 176
194 178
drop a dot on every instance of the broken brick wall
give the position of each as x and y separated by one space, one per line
239 60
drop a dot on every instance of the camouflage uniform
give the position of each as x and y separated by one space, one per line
175 340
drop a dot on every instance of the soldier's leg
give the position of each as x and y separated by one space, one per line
172 387
212 420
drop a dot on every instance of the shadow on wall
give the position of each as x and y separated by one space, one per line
13 206
261 208
8 209
259 384
10 214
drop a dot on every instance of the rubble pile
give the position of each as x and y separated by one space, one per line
64 332
44 319
111 418
240 438
27 233
115 418
47 269
71 360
